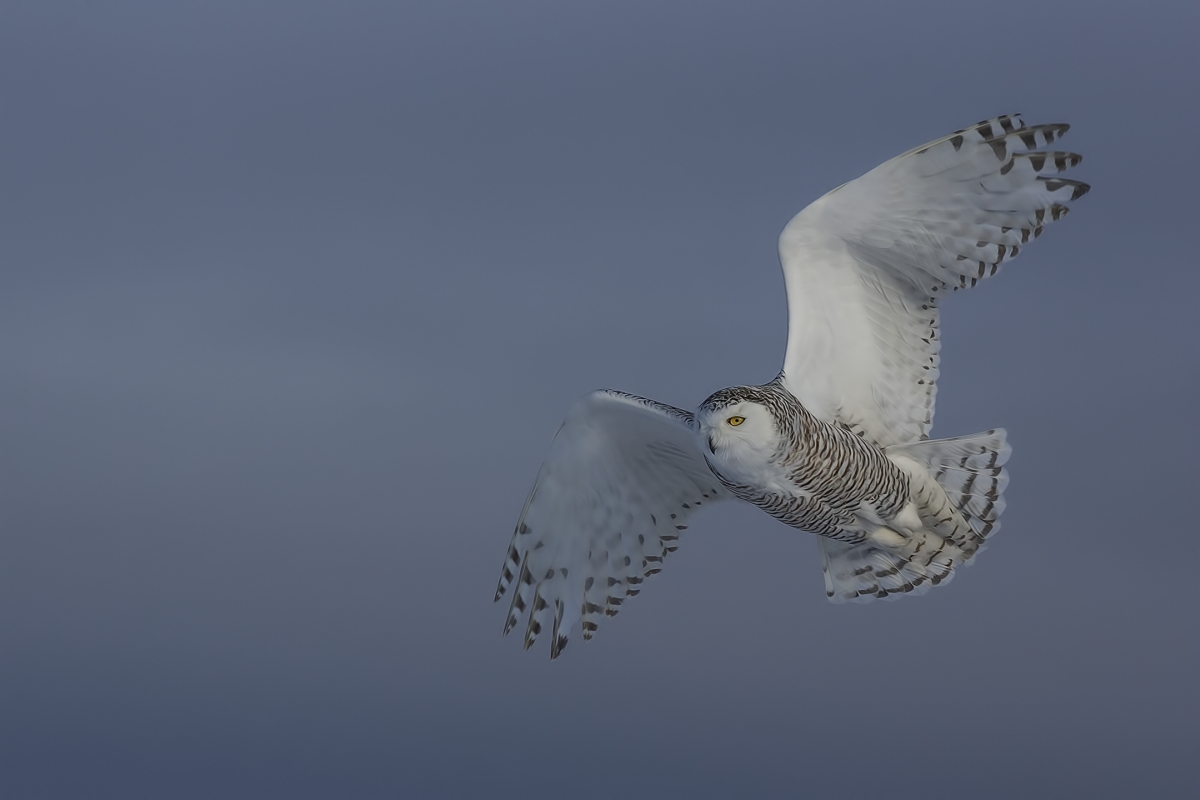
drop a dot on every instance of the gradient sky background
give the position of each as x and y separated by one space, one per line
295 295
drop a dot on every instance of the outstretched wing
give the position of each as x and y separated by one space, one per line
866 264
623 475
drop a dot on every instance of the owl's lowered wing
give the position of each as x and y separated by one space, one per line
610 502
866 264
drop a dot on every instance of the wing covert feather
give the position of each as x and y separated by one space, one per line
610 502
866 264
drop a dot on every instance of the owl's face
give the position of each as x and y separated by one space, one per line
740 436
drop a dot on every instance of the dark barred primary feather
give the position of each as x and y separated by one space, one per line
609 505
867 264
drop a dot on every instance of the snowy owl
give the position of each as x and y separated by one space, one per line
837 444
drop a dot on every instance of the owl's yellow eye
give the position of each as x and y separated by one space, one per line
735 421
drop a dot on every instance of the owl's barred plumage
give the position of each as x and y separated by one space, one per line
837 444
829 471
969 472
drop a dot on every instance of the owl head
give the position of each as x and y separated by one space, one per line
740 424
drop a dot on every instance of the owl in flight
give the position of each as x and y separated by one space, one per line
838 443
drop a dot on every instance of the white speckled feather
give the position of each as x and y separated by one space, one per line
866 264
610 503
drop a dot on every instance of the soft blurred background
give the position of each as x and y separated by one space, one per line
294 296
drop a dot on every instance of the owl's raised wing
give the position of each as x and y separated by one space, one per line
623 475
866 264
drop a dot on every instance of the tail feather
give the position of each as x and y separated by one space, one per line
960 501
970 470
868 571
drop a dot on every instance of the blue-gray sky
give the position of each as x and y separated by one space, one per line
295 295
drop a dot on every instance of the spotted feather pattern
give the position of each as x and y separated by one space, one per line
867 264
610 503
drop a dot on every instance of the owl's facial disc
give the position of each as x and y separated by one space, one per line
742 423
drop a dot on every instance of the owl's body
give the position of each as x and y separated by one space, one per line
806 473
837 445
824 479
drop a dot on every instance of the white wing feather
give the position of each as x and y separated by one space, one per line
622 477
866 264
